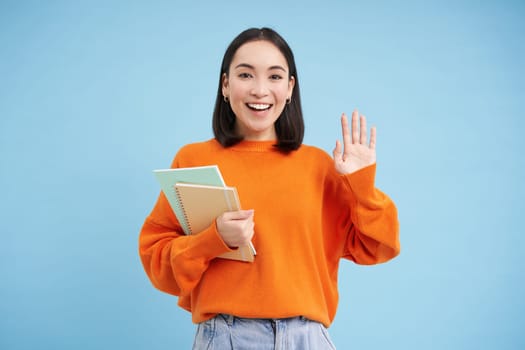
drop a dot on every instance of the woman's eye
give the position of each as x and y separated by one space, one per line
245 75
275 77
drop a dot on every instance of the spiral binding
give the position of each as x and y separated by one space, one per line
185 225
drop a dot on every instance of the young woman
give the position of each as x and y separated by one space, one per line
305 211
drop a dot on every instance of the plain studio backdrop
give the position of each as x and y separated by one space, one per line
94 95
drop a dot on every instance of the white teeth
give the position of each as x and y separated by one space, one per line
258 106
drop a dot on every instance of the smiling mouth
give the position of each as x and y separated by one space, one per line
259 106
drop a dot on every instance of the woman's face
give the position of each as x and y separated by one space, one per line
257 86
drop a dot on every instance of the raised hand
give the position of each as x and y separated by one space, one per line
357 154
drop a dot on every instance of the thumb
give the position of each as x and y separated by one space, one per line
245 214
337 150
239 214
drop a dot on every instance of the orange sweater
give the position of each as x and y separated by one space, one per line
307 217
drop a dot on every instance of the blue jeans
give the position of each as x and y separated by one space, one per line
225 332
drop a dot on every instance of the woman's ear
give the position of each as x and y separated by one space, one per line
291 84
225 85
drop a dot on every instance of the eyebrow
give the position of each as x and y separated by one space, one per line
246 65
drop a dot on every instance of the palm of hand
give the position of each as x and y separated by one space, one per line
356 154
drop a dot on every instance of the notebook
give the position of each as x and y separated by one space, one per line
204 175
202 204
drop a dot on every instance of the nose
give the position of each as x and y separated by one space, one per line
259 88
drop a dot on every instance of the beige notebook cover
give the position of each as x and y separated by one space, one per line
202 204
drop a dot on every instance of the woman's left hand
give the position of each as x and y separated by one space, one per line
357 154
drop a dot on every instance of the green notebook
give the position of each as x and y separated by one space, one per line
203 175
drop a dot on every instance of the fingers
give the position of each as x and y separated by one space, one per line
347 137
354 135
355 129
359 130
236 227
373 138
362 136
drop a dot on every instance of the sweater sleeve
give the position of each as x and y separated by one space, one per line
175 262
374 229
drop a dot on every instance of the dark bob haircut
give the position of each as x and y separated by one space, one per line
290 124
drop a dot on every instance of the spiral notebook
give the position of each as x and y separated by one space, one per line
204 175
202 204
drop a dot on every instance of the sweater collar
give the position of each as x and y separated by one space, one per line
255 146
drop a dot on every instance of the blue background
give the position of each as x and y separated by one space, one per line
94 95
